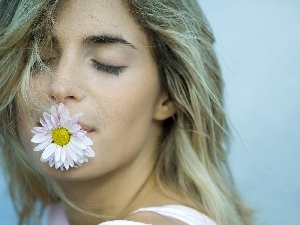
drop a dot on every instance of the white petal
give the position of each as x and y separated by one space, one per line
53 109
89 152
51 163
57 153
70 161
43 145
37 130
58 164
43 160
66 165
87 141
80 133
74 128
60 107
40 137
78 151
64 121
49 151
48 120
43 123
63 110
76 141
54 120
81 160
63 154
76 117
73 155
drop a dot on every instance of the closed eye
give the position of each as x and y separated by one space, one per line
116 70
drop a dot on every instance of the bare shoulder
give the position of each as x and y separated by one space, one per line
153 218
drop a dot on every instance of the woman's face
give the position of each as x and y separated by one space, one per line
104 69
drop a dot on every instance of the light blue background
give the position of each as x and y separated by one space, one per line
258 43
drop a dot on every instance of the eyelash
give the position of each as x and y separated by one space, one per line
116 70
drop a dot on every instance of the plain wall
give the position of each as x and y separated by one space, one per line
258 43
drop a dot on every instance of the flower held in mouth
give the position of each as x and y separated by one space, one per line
63 142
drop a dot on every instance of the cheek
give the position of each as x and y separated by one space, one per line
139 109
24 125
136 99
135 113
27 118
25 136
128 113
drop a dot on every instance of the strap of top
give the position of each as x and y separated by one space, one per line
122 222
182 213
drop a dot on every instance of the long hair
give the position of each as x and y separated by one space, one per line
191 158
19 21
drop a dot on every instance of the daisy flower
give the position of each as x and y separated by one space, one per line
60 138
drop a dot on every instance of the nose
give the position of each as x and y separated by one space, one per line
64 85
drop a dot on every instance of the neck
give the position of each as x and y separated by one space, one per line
115 195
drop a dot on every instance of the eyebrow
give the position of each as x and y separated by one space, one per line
107 39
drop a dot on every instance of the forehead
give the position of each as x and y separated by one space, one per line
77 18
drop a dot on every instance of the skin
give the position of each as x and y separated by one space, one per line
123 110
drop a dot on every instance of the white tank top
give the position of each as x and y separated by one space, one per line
181 213
189 216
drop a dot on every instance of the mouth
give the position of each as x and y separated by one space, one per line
86 127
83 126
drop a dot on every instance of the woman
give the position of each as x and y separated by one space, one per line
136 129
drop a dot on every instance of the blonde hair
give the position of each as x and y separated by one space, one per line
192 157
19 20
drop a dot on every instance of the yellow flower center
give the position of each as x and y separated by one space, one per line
61 136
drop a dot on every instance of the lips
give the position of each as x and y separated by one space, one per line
86 127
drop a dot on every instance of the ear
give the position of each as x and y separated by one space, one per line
165 108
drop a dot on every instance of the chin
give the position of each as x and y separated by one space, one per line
79 173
